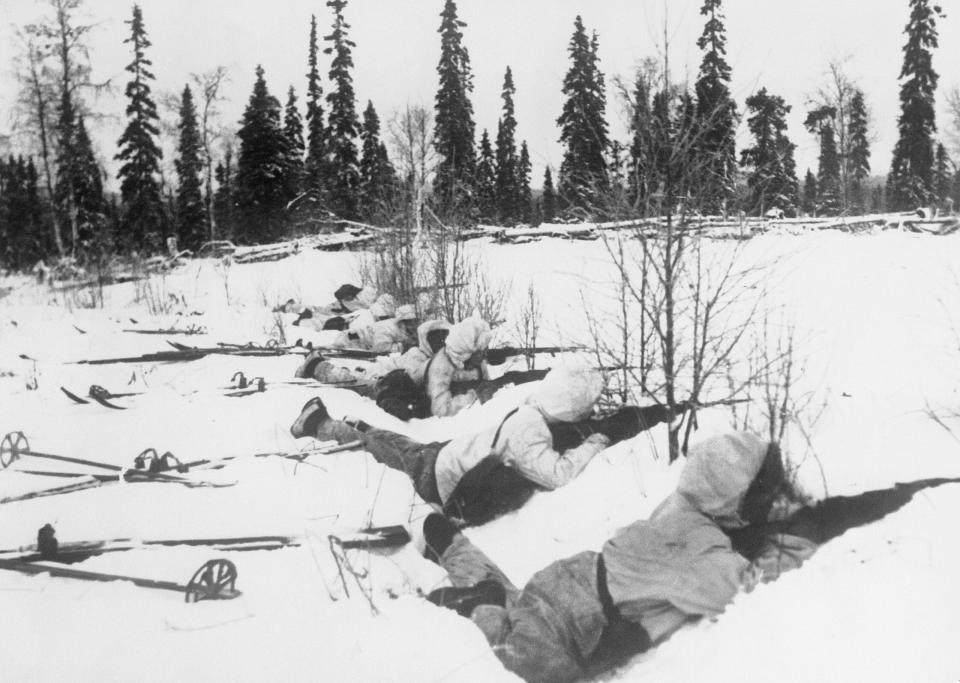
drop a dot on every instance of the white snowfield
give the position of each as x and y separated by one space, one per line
877 347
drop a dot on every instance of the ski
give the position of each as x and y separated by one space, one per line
74 397
48 548
392 536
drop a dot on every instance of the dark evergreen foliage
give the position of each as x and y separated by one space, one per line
453 123
343 181
524 195
261 166
549 200
771 180
293 132
641 176
910 181
715 131
315 165
829 197
506 155
378 181
858 163
191 211
224 198
583 125
143 220
942 175
809 202
486 182
23 240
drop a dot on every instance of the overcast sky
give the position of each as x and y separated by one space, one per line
784 45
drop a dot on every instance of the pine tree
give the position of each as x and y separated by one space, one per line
714 147
453 123
293 132
377 176
771 179
260 183
315 165
344 181
911 172
139 187
858 163
486 182
583 125
809 202
524 194
191 212
549 209
942 175
507 185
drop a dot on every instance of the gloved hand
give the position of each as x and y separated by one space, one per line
496 356
485 391
305 314
621 425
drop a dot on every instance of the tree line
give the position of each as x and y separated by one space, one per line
285 174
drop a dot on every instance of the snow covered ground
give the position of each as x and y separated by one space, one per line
875 318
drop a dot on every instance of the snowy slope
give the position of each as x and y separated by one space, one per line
874 317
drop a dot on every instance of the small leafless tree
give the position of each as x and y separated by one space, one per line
209 85
691 299
528 322
36 111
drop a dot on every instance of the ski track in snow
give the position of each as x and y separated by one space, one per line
874 315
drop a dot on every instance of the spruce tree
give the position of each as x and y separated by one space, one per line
942 175
87 188
583 125
771 179
191 212
524 195
344 181
260 182
22 239
377 176
293 132
858 163
315 165
910 181
453 122
139 186
829 191
715 132
507 185
224 198
486 182
809 201
67 165
549 210
640 178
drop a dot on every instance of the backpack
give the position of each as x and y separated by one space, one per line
396 393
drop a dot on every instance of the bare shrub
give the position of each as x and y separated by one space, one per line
527 324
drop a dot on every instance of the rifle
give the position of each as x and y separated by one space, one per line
512 377
499 356
832 516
